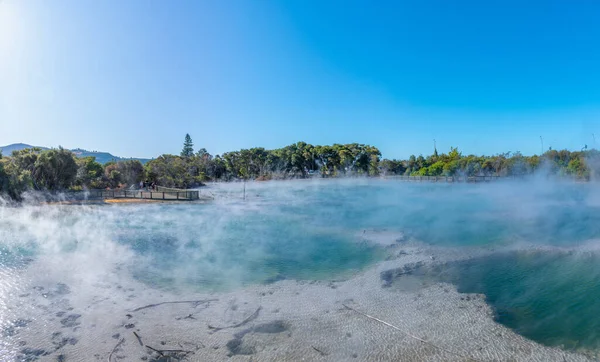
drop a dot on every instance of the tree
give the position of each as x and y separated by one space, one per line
202 153
89 173
4 178
123 173
188 146
55 169
171 171
577 168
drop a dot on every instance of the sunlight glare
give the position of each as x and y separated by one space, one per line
9 27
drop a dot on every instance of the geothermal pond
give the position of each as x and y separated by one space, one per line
271 276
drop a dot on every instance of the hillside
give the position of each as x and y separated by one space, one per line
101 157
104 157
7 150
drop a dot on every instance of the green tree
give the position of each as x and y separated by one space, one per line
132 171
4 178
89 173
188 146
577 168
123 173
55 169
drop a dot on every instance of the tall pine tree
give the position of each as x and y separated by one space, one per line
188 146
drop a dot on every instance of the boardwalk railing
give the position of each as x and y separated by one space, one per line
182 195
447 178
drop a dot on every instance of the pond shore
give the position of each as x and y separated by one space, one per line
378 314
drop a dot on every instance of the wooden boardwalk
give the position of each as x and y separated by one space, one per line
164 194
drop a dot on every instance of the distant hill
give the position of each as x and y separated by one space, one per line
7 150
101 157
104 157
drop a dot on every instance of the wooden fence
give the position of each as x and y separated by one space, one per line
181 195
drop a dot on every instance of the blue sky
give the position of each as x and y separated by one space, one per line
132 77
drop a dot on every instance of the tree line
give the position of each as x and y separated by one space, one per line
59 169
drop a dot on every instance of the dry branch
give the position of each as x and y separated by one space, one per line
163 351
114 349
407 333
195 302
138 338
155 350
318 350
250 317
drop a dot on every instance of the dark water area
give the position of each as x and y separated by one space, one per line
548 296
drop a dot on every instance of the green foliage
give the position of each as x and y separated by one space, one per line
577 168
59 169
188 147
170 171
5 186
123 173
392 167
54 169
89 173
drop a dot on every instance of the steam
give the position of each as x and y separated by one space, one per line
302 229
223 240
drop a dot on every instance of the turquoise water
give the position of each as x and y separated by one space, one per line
550 297
308 230
229 250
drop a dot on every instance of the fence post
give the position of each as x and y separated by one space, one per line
177 195
163 195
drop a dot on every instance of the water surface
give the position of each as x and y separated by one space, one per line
310 230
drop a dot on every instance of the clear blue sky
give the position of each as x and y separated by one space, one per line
132 77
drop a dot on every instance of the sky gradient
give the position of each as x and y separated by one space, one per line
133 77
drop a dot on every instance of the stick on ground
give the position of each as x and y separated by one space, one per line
408 334
155 350
195 302
139 339
114 349
163 351
318 350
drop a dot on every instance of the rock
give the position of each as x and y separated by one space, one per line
277 326
71 320
388 276
236 347
32 353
